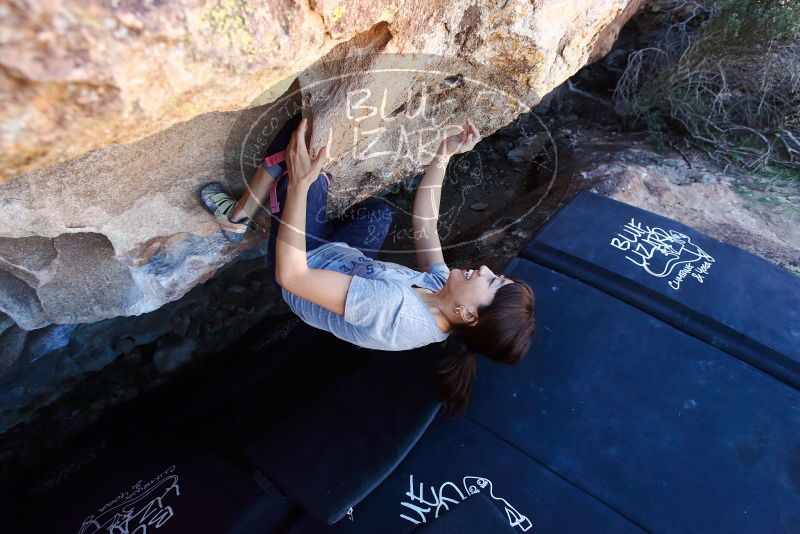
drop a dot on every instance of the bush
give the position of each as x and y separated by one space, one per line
724 75
756 20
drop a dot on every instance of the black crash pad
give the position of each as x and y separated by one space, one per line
670 431
331 453
162 485
719 293
457 460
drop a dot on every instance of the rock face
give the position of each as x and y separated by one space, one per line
168 96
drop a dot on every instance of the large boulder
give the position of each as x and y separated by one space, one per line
116 113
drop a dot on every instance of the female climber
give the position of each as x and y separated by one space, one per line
328 274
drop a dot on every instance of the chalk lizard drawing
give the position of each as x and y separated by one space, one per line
140 508
449 494
656 250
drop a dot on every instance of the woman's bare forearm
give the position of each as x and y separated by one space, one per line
429 194
426 212
323 287
290 248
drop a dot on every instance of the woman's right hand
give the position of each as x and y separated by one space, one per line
461 142
303 168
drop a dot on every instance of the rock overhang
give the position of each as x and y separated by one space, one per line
131 235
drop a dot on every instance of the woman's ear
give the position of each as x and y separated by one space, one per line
470 317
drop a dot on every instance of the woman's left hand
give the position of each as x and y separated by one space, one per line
303 168
461 142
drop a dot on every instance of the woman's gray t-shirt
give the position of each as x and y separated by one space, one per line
382 310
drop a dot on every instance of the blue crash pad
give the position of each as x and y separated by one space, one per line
457 460
719 293
329 455
670 431
640 407
476 513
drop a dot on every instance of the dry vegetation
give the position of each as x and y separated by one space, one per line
725 77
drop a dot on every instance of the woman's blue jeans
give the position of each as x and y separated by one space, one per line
363 227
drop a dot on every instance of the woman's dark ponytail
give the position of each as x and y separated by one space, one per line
503 334
454 376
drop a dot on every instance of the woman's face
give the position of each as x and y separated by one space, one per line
475 287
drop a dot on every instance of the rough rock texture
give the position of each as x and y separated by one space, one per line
79 75
39 366
118 230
